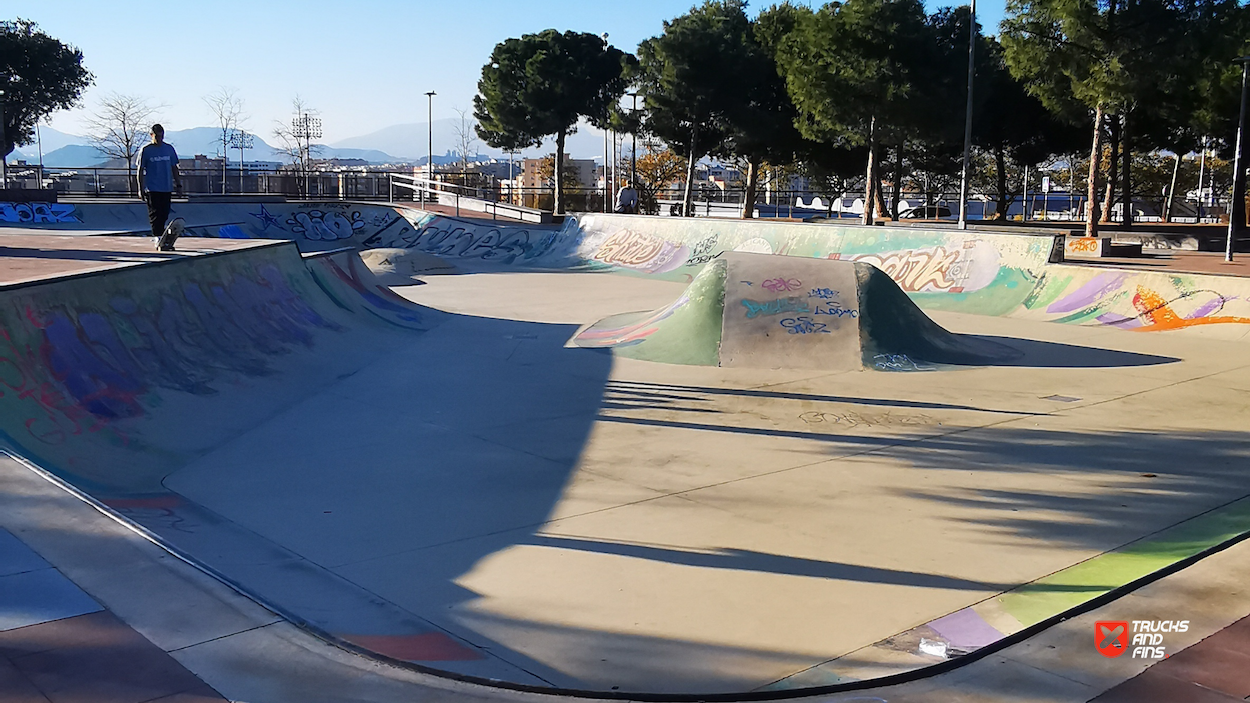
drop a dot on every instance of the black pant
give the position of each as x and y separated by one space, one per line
158 211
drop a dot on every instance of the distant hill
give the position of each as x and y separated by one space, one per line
72 156
395 144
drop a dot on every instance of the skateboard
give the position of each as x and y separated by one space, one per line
172 231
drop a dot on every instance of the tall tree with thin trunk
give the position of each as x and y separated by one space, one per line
695 77
227 109
466 137
119 128
541 84
1098 54
856 71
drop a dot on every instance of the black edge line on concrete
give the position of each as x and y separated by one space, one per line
890 680
261 244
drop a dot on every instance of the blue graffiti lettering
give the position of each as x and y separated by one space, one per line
756 308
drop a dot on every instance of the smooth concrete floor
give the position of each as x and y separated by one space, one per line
603 523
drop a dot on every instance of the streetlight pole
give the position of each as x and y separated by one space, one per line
963 176
633 144
4 147
429 165
1237 208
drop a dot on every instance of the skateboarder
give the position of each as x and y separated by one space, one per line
158 176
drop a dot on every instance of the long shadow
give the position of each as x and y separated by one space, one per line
677 391
749 560
1056 355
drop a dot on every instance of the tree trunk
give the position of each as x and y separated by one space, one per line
869 179
1113 170
897 189
753 182
687 200
1126 176
879 198
1167 206
558 170
1000 163
1095 157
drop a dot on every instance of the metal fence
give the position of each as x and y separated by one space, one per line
709 201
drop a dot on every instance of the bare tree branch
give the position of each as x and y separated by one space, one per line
227 109
466 137
119 127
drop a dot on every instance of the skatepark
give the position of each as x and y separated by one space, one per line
594 457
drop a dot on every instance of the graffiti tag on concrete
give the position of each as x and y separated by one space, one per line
38 213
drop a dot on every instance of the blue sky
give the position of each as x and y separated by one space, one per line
363 64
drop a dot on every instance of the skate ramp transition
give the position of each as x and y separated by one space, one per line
756 310
985 273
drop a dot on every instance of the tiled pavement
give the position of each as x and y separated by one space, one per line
57 645
1214 670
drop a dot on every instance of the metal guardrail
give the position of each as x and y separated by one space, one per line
470 198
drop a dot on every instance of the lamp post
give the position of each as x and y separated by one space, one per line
240 140
1237 208
963 176
308 128
4 147
429 165
633 144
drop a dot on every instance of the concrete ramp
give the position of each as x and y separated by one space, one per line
763 311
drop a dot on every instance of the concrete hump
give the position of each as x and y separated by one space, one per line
767 311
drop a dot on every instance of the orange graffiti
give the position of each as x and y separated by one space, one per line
629 248
914 270
1082 245
1158 315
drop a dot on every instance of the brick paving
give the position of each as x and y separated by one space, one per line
1176 261
93 658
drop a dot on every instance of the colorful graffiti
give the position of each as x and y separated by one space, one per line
39 213
756 308
329 226
641 252
84 364
974 272
455 238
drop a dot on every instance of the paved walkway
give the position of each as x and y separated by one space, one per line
57 643
1176 261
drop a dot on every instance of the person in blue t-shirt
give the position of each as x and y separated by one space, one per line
158 176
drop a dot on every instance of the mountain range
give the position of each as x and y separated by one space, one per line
401 143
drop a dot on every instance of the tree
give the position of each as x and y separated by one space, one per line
1013 126
466 138
657 170
295 139
856 72
119 127
38 75
691 79
759 126
1098 54
542 84
227 109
